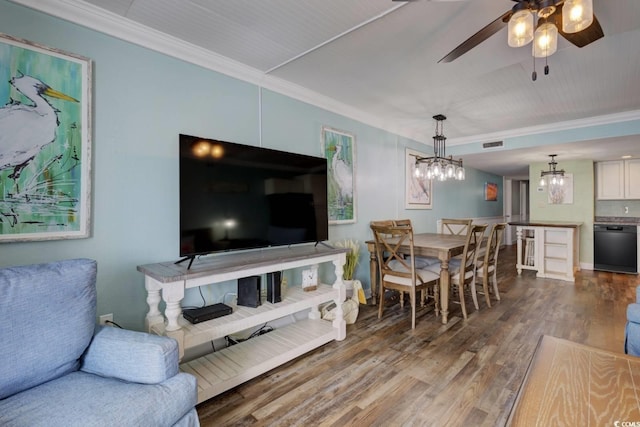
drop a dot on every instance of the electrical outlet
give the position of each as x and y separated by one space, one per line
106 318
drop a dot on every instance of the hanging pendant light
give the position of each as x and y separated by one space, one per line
576 15
555 177
439 166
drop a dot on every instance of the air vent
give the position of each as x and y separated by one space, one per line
492 144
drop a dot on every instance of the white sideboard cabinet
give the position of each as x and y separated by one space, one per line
618 179
226 368
552 248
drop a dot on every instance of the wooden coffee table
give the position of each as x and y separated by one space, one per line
576 385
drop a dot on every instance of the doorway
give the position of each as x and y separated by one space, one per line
516 205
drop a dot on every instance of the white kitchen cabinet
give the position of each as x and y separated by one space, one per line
618 179
632 179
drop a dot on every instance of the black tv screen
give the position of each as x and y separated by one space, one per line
235 196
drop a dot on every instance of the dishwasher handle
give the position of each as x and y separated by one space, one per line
615 228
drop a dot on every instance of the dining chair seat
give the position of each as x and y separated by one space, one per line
423 274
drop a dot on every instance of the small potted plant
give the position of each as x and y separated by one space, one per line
349 268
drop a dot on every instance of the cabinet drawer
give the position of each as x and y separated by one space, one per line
552 265
555 236
555 251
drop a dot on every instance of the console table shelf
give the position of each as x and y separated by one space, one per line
244 318
226 368
231 366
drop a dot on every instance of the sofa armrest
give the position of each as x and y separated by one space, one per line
131 356
633 313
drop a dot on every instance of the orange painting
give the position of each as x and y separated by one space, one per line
490 191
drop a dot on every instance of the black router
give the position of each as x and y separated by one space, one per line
202 314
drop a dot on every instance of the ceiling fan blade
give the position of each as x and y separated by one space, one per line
478 37
582 38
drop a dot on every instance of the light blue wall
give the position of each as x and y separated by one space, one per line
142 101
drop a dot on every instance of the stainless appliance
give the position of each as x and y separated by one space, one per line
615 248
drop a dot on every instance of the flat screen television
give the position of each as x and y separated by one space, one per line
235 197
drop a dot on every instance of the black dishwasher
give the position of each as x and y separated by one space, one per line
615 248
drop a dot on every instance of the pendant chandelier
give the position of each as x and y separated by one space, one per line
439 166
556 177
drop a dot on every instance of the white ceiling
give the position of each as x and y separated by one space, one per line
378 59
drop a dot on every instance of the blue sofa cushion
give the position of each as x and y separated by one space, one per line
118 352
57 297
87 400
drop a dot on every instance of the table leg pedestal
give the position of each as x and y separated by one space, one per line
444 289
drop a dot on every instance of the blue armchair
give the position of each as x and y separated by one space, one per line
57 368
632 330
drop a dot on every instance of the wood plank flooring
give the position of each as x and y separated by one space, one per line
462 373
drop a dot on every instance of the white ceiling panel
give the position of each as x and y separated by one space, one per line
380 58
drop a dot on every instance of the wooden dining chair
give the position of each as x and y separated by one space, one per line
487 265
459 226
462 270
398 271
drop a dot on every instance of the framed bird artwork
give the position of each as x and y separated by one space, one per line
419 192
339 148
45 142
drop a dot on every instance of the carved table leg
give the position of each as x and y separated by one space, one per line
444 289
154 316
339 323
373 275
173 293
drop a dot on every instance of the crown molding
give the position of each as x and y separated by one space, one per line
103 21
550 127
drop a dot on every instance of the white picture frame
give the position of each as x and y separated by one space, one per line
418 193
339 149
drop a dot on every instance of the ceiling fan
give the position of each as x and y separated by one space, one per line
547 11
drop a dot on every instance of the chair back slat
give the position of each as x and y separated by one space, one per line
493 244
470 252
389 236
457 226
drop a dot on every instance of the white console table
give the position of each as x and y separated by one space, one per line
553 248
224 369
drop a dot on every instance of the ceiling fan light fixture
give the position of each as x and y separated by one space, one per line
545 41
576 15
520 28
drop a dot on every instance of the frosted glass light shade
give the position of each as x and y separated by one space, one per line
545 42
576 15
520 28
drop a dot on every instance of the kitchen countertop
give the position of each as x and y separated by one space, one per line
622 220
533 223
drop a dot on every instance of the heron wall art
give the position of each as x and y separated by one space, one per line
44 143
339 149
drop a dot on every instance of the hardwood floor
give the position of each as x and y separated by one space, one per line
462 373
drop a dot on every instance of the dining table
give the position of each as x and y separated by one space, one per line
442 246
